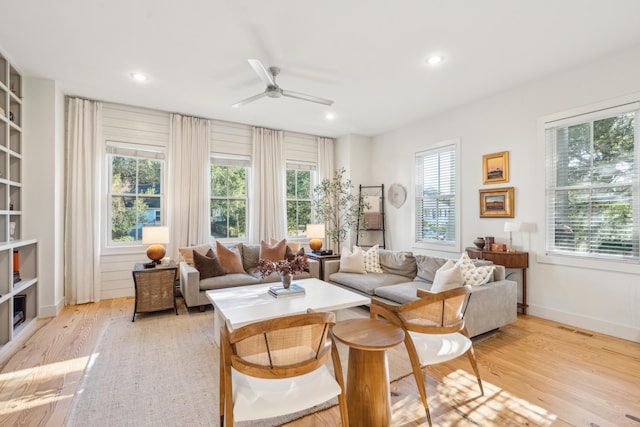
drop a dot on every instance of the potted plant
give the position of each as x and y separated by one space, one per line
336 206
286 268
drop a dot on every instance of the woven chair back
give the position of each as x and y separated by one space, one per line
282 347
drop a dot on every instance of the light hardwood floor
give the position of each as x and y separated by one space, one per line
535 372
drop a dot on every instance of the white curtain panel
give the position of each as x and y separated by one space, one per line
326 169
268 218
84 149
189 182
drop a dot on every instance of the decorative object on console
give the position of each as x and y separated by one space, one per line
489 240
397 195
479 242
285 267
316 233
495 167
155 236
497 203
511 227
498 247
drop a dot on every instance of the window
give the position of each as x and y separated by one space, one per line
136 194
436 196
592 184
299 182
229 179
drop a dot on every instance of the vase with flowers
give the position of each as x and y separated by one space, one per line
286 268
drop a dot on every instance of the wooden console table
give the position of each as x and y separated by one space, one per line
514 259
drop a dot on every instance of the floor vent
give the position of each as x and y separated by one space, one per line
565 328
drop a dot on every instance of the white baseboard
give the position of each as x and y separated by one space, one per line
584 322
51 310
117 293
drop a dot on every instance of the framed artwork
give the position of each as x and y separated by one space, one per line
495 167
497 203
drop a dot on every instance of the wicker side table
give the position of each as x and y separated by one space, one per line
155 288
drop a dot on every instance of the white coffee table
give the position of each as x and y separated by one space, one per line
242 305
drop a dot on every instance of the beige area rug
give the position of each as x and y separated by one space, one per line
162 370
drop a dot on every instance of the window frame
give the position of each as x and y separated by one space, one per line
229 160
138 152
454 245
299 166
587 115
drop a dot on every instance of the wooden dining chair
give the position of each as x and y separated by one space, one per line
434 331
278 366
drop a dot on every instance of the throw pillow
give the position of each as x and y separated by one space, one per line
208 265
449 276
187 253
250 256
352 262
474 276
294 246
372 260
290 254
273 252
230 259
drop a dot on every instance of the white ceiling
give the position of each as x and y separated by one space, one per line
368 56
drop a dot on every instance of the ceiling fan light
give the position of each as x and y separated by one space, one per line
330 116
140 77
436 59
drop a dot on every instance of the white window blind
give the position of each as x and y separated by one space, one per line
436 197
592 190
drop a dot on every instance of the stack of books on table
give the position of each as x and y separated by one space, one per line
280 291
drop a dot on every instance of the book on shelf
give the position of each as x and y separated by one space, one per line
280 291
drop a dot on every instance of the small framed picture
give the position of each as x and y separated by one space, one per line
495 167
497 203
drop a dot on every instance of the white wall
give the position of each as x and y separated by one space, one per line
43 191
605 300
353 153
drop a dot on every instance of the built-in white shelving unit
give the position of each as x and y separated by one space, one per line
18 256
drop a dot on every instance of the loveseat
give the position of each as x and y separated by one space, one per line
194 290
491 305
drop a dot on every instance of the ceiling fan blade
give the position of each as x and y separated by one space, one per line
262 72
248 100
304 97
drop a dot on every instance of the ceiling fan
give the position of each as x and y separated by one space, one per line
273 90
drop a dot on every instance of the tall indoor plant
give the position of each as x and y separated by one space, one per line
336 206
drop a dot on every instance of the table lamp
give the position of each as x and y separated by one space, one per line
316 233
155 236
511 227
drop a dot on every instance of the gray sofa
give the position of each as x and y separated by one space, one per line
491 305
194 290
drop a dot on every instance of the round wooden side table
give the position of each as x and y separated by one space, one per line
368 398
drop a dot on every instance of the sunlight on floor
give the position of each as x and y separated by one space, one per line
39 375
497 406
457 400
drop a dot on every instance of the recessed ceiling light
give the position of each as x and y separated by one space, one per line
436 59
139 77
330 116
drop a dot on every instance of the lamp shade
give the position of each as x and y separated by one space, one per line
511 226
155 235
315 231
